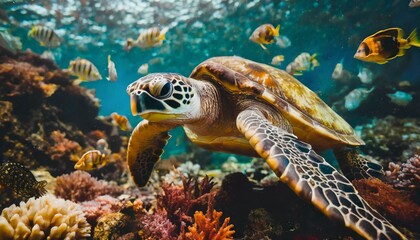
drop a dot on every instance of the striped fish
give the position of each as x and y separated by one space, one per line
93 159
152 37
121 121
45 36
84 70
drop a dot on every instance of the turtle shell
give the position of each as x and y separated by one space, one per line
312 119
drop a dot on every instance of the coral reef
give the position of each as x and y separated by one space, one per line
38 106
111 226
79 186
406 175
100 206
157 226
207 227
390 138
44 218
394 204
262 226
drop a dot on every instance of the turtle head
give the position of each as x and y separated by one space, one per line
164 97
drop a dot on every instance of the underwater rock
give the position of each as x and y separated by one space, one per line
79 186
112 226
44 218
262 226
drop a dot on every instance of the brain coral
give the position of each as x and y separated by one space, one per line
44 218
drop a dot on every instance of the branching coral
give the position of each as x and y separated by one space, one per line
406 175
181 202
79 186
394 204
62 146
44 218
157 226
207 227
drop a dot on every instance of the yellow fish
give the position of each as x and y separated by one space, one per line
152 37
277 60
93 159
84 70
45 36
121 121
303 62
386 45
265 34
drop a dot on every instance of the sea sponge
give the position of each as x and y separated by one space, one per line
79 186
44 218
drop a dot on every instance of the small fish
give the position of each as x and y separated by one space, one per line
386 45
414 3
93 159
303 62
102 145
112 72
283 42
18 178
152 37
365 75
45 36
143 69
265 34
338 70
121 121
356 97
277 60
48 55
84 70
400 98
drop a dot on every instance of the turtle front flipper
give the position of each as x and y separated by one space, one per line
312 178
145 148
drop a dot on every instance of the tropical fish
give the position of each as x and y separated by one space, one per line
18 178
264 34
48 55
283 42
414 3
45 36
93 159
386 45
277 60
143 69
340 74
356 97
152 37
121 121
112 72
303 62
365 75
400 98
84 70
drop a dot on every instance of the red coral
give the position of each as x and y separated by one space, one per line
62 146
100 206
207 227
392 203
181 202
157 226
79 186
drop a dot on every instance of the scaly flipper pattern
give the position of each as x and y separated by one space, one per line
312 178
145 148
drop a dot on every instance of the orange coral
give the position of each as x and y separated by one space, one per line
62 146
392 203
206 227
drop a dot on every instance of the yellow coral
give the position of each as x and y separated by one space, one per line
206 227
47 217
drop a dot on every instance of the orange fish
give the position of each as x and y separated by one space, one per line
265 34
121 121
386 45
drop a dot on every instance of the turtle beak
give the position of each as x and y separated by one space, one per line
144 102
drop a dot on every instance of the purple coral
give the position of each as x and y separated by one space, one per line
100 206
79 186
406 175
157 226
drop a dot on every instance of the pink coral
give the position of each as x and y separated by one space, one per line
100 206
406 175
62 146
157 226
79 186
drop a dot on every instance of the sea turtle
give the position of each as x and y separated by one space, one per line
239 106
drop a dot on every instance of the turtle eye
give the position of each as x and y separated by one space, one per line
162 89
